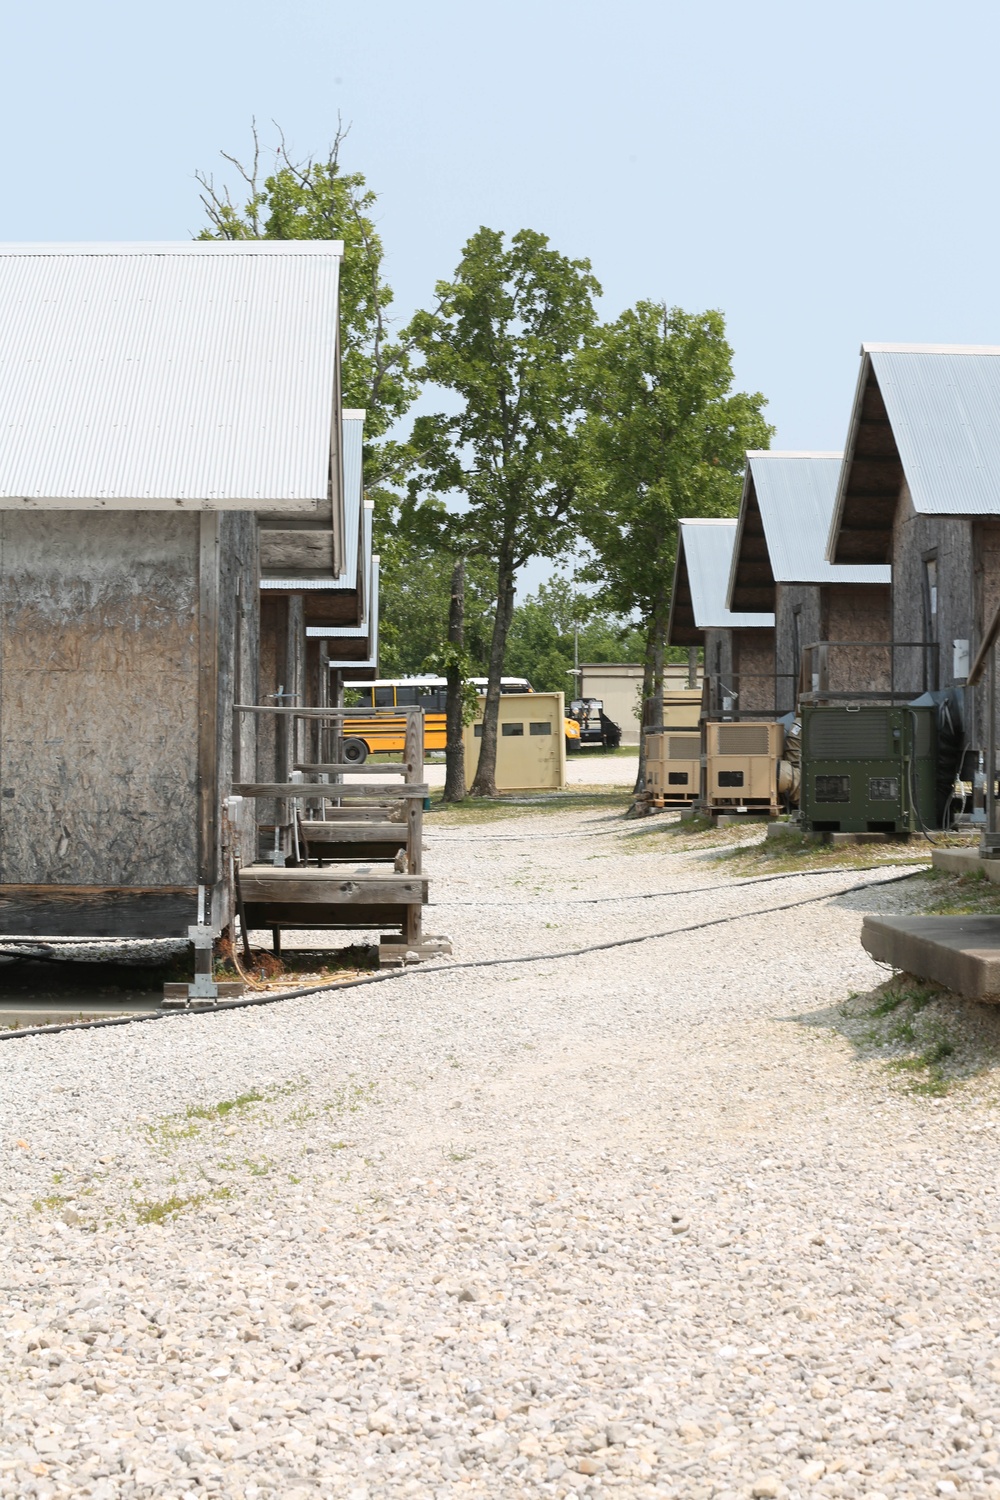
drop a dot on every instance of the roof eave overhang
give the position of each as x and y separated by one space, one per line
681 628
751 577
869 484
299 506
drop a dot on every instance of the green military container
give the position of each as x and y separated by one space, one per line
868 770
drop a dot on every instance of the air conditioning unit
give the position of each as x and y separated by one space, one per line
681 708
741 766
868 770
673 767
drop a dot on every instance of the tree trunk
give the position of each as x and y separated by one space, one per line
454 753
692 666
646 721
652 683
485 783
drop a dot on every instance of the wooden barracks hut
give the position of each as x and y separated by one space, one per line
920 490
159 403
739 646
780 566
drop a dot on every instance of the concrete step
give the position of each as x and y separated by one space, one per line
962 953
966 862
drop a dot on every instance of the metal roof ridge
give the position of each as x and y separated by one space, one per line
707 521
930 348
171 247
791 453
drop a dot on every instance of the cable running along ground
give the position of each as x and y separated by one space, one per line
246 1002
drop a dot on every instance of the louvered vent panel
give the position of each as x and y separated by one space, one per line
861 736
743 739
683 746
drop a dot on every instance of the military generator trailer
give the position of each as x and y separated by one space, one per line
869 769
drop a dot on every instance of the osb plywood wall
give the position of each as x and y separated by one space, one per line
857 613
753 661
98 698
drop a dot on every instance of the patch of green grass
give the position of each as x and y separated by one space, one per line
173 1129
350 1098
933 1040
488 810
797 851
961 895
51 1202
156 1210
224 1107
926 1067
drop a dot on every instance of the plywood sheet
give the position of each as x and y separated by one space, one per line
98 699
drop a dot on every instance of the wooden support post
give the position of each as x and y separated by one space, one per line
208 699
990 838
413 774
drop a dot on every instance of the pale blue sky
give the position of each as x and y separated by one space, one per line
824 174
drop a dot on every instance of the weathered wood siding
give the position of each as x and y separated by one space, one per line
856 612
914 538
98 698
791 599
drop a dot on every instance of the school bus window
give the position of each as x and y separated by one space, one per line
477 730
511 729
384 697
543 728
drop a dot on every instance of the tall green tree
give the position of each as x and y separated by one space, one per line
315 199
556 620
418 547
505 340
664 438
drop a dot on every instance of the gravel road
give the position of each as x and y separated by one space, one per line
639 1222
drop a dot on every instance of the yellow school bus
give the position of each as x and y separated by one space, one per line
364 736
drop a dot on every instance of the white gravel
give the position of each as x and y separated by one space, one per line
623 1223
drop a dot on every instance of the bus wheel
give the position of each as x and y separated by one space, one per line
355 752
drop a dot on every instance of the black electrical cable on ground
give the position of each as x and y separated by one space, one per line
246 1002
694 890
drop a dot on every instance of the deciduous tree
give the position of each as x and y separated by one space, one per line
665 437
505 340
315 199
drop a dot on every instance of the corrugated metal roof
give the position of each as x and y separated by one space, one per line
357 538
796 494
194 371
944 408
317 632
353 429
708 554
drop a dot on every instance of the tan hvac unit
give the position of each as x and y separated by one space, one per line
741 766
681 708
673 767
